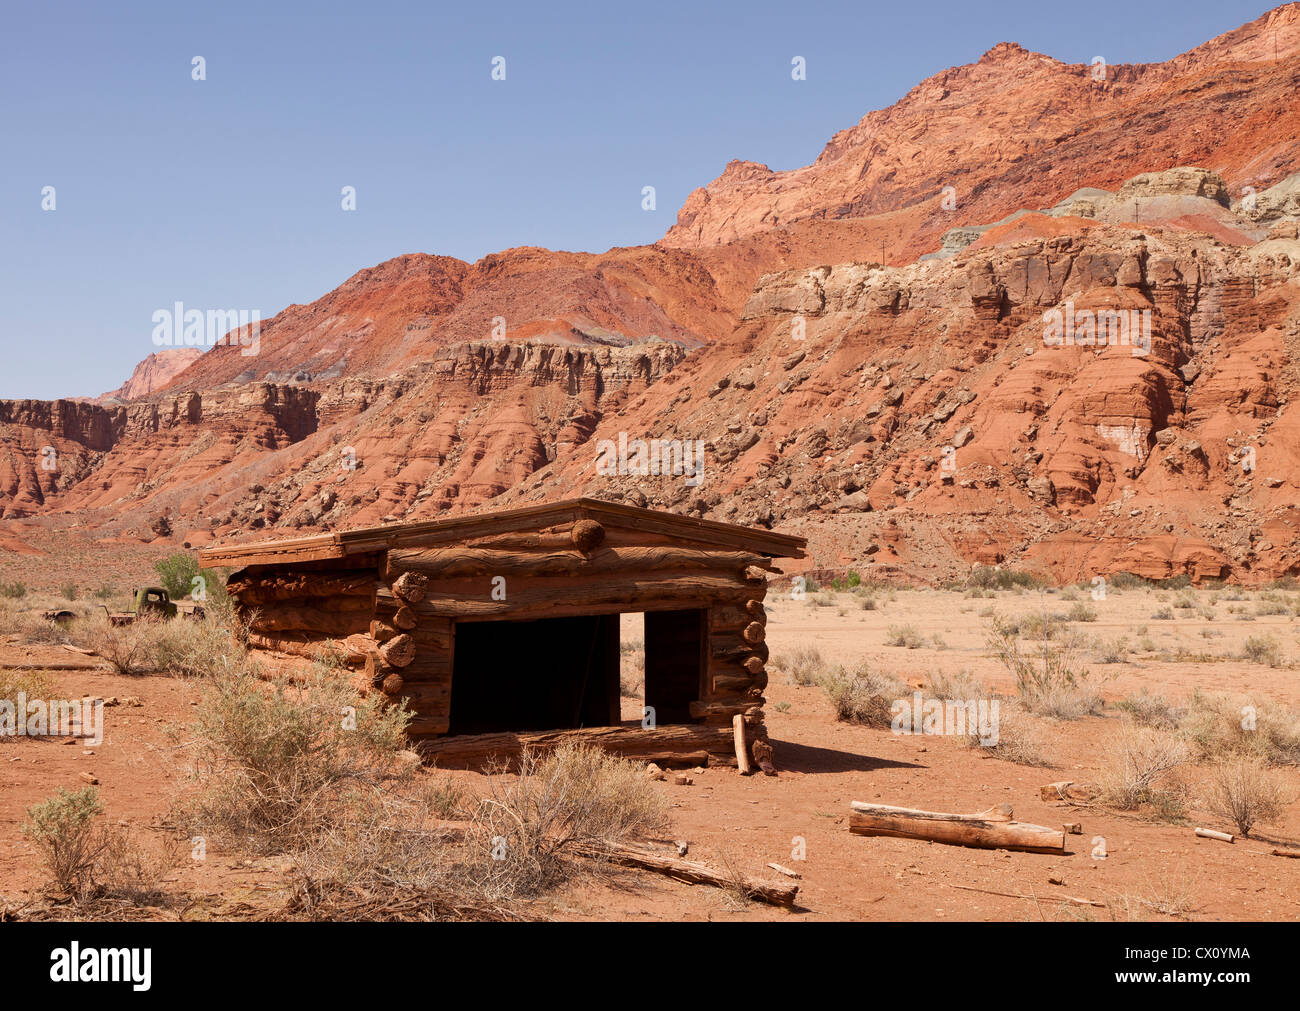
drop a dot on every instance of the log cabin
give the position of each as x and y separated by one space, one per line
502 630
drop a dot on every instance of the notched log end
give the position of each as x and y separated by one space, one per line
587 535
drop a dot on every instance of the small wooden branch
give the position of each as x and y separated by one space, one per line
1031 898
775 893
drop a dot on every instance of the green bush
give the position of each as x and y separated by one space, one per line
176 573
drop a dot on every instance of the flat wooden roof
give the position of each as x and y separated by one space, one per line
367 540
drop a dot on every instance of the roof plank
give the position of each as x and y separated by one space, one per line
344 544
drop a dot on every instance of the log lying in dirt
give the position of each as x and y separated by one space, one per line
777 893
991 829
1066 790
1293 854
1209 833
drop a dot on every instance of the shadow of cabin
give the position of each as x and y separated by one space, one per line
502 630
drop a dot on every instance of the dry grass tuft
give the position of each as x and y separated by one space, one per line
1244 792
1140 771
529 829
863 696
1048 679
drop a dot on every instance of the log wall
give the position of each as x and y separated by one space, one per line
392 619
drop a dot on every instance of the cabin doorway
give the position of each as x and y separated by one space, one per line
663 664
548 674
586 671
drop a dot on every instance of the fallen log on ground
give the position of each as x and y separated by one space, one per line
777 893
991 829
1209 833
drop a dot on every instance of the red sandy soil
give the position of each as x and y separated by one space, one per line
739 822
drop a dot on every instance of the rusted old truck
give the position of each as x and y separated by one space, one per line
154 602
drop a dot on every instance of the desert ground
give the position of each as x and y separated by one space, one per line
1168 648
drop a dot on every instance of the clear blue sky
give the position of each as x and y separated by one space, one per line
225 193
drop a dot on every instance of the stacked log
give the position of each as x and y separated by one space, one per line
299 612
737 672
412 659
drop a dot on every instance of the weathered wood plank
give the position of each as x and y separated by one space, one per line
459 562
470 600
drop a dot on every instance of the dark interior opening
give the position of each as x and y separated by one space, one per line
563 673
549 674
674 663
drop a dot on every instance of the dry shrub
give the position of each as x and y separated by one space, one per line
1244 791
631 680
277 763
188 647
1219 725
1019 738
1262 649
1111 650
1048 680
1171 894
559 805
1139 771
863 696
393 858
132 870
1152 711
33 684
129 649
24 619
804 664
67 838
92 863
904 635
